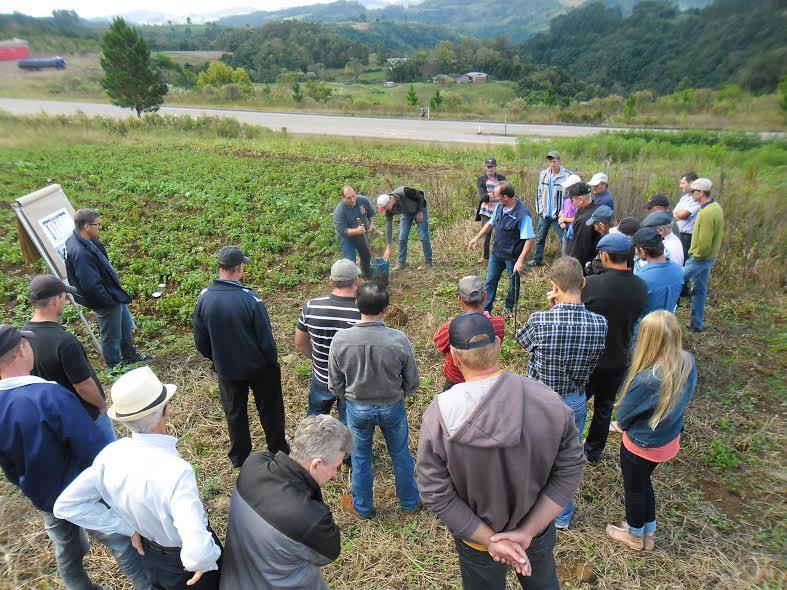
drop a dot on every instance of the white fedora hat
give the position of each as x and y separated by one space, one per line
137 394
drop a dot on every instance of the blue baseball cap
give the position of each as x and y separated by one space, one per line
467 327
614 243
602 213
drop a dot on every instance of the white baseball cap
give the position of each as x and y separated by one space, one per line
571 181
382 201
598 178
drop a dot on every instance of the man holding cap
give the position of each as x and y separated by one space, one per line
319 322
233 331
140 487
353 217
59 356
549 198
498 458
411 205
90 271
488 201
619 296
662 222
471 300
601 195
582 244
663 278
46 440
704 249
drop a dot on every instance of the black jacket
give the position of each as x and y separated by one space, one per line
89 270
232 329
409 201
620 297
583 245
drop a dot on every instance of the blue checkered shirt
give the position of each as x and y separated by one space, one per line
565 343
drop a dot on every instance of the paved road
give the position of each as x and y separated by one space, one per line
307 124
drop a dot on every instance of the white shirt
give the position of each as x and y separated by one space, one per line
151 490
674 247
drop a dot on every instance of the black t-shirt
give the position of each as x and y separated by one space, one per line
620 297
60 357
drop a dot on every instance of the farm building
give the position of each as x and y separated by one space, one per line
462 79
14 49
478 77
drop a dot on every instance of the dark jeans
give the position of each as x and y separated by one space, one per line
638 491
165 570
349 247
115 327
544 223
481 572
266 387
603 387
488 237
685 240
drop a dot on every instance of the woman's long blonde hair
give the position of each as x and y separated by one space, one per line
660 349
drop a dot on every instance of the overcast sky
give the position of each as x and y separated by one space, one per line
94 8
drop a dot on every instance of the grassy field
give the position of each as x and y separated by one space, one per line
171 192
729 108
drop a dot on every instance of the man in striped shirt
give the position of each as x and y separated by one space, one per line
320 320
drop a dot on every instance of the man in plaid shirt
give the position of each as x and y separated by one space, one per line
565 343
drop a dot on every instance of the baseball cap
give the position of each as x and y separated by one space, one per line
344 270
230 256
46 286
628 225
646 236
571 181
701 184
598 178
553 154
471 289
657 201
657 219
382 201
490 161
601 213
10 337
466 327
614 243
578 190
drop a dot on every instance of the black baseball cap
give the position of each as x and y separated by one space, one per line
467 326
46 286
647 236
490 161
579 189
657 201
230 256
10 336
628 225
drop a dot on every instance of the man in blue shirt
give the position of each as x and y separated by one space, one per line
601 195
663 278
513 241
353 217
46 439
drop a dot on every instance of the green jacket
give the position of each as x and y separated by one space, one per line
706 239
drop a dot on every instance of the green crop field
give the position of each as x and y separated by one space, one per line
172 191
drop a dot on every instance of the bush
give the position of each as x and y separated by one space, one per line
220 74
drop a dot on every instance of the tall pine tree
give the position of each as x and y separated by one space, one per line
131 78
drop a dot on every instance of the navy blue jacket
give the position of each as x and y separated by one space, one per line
89 270
232 329
46 438
640 402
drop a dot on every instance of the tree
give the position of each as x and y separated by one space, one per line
218 74
436 100
319 91
131 77
353 68
412 97
297 95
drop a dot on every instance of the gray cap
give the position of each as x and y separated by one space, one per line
344 270
471 289
701 184
553 154
657 219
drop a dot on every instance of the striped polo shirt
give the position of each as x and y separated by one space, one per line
322 317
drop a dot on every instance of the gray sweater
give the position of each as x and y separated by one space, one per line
372 364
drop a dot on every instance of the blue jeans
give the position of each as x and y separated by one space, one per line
494 271
351 248
405 224
115 326
578 403
544 223
321 401
71 546
563 242
697 272
104 424
392 420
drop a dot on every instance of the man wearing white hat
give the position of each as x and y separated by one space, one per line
600 186
140 487
411 205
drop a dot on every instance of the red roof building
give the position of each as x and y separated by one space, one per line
14 49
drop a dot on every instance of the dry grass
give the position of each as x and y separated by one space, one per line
720 528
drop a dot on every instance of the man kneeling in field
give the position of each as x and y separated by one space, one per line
498 453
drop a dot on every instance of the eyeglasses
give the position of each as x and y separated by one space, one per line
98 225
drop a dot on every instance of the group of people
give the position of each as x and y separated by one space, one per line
500 456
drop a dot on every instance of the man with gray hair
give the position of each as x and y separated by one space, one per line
280 531
140 487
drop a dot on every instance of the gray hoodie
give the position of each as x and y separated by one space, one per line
518 441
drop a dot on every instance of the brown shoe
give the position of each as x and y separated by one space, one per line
622 535
346 502
650 542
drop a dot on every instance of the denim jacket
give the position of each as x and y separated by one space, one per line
640 402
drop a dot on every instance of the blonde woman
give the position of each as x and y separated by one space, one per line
653 399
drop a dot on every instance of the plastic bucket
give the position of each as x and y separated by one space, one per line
380 267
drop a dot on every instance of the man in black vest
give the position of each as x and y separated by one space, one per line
513 241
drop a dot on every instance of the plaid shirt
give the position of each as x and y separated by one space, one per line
565 343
